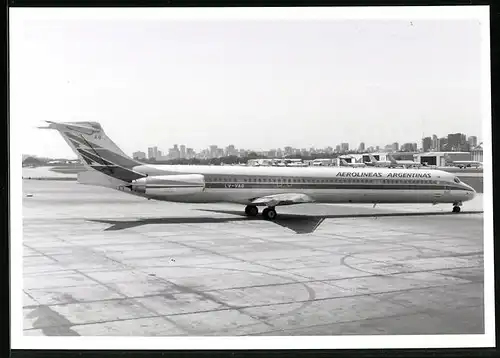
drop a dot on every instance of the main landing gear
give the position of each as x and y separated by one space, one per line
251 210
268 213
456 207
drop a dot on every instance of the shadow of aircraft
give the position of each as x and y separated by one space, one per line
300 224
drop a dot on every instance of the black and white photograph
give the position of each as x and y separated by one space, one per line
318 176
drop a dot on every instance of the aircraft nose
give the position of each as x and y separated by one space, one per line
471 193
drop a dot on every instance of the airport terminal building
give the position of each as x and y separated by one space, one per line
439 158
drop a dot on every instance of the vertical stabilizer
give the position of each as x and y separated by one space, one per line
97 151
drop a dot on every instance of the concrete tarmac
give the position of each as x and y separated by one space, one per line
101 262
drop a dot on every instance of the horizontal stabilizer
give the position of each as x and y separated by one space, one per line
98 179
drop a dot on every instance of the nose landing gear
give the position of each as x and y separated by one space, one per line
456 207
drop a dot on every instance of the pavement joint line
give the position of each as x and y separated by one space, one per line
446 249
229 309
309 280
355 321
180 287
413 289
109 287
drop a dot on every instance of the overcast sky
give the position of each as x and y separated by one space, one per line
255 84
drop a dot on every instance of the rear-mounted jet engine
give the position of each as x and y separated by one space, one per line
163 185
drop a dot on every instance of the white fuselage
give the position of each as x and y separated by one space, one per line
407 163
466 163
237 184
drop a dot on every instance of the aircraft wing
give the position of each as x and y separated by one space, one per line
283 199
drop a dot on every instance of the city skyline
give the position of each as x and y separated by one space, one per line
260 84
217 150
214 150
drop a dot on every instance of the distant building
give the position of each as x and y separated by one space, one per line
472 141
435 143
183 151
457 142
152 152
477 154
426 144
337 148
443 144
439 158
395 146
231 150
409 147
361 147
344 147
213 151
139 155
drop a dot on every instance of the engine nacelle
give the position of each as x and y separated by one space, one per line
169 185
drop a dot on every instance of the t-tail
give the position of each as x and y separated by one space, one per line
391 159
107 164
372 159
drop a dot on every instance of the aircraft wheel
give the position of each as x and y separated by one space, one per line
456 209
269 213
251 210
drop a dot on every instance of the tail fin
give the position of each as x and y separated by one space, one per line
372 159
343 162
96 151
391 159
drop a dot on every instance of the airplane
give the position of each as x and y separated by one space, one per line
462 163
343 163
378 163
108 166
404 163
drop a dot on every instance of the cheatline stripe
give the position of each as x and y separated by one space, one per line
171 186
93 157
330 186
103 152
165 185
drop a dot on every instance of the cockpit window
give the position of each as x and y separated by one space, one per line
456 180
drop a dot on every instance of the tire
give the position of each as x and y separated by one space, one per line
251 210
456 209
269 214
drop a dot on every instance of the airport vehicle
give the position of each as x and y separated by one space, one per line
254 186
343 163
404 163
462 163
